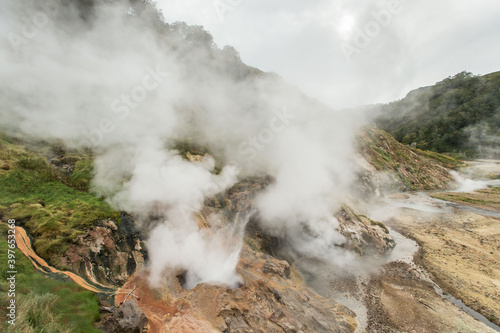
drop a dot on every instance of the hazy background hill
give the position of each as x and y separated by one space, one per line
460 114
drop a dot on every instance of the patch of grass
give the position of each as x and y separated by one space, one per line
444 160
80 178
33 193
381 152
463 198
44 304
458 197
35 314
380 224
485 199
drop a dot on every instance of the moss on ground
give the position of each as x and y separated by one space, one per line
41 198
485 198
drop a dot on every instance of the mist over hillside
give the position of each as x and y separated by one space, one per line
151 181
460 114
112 76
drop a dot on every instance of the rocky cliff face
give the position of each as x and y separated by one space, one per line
272 298
107 253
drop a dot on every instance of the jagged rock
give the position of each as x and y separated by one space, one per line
107 253
128 318
266 302
281 268
364 235
242 193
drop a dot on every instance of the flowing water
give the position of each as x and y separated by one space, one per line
346 287
422 202
23 243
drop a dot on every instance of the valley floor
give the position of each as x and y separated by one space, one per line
459 250
443 275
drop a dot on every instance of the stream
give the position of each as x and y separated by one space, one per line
422 201
24 245
347 285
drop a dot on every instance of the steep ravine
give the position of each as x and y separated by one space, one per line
275 293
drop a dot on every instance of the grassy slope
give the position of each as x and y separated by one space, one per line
43 200
417 169
43 304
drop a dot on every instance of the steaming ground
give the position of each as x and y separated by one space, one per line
456 245
396 292
116 79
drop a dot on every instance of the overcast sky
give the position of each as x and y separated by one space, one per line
317 44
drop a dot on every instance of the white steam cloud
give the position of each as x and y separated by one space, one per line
113 77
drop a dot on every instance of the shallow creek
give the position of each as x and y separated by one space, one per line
346 284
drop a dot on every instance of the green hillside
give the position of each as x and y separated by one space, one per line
460 114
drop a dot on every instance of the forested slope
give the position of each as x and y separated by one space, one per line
460 114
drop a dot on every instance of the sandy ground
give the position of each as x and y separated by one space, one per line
457 256
399 299
459 248
391 294
461 251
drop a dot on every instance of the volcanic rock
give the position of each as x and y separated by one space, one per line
128 318
363 235
107 253
273 298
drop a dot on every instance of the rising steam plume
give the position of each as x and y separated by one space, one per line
112 76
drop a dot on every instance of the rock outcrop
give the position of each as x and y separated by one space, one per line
363 235
273 298
128 318
107 253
